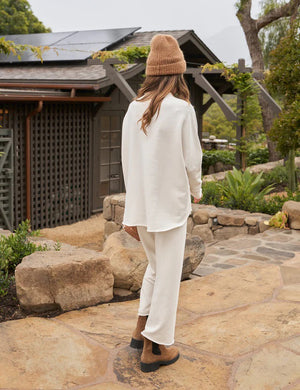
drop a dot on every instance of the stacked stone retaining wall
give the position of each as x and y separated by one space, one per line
209 222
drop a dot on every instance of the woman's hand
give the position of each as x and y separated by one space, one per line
197 200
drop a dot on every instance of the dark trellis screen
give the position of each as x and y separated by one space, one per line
13 117
60 164
60 138
6 178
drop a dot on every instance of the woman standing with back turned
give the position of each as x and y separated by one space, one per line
161 160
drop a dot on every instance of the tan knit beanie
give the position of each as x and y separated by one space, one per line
165 56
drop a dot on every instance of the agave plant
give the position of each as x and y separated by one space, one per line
243 189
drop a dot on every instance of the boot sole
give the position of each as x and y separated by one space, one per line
149 367
137 344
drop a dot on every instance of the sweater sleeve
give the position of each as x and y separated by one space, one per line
192 152
125 148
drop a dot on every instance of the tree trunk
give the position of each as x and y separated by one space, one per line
291 169
268 118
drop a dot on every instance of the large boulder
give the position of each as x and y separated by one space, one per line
127 258
193 254
66 279
5 232
129 261
204 232
293 210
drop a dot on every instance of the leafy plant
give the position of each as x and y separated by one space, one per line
9 47
17 17
279 220
257 156
211 193
14 248
57 246
278 175
274 203
242 189
129 55
17 246
284 80
35 233
5 281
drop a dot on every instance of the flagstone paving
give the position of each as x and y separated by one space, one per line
238 328
273 246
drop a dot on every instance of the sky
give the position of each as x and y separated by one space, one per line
214 21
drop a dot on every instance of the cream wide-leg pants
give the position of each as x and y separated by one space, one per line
161 283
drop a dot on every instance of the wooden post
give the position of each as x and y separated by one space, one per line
198 100
240 158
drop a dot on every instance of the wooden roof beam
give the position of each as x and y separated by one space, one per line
272 103
208 88
117 79
46 85
82 99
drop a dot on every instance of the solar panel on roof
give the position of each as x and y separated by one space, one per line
38 39
67 46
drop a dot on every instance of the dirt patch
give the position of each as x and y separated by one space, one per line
87 234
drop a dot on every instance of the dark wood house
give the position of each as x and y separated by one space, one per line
60 121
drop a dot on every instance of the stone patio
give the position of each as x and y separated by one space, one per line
273 246
238 328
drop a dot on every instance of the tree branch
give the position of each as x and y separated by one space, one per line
285 10
244 9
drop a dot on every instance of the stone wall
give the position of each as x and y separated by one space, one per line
209 222
219 166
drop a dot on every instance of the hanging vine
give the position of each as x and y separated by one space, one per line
129 55
10 47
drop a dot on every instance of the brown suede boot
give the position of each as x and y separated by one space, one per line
155 355
137 340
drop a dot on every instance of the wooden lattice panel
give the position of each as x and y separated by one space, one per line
13 117
60 164
6 178
60 158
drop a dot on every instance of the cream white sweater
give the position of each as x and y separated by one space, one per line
163 168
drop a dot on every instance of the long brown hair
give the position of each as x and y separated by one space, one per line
156 88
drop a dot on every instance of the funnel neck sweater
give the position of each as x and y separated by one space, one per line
161 169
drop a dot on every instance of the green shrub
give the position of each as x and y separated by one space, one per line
13 249
257 156
211 194
5 281
211 157
278 175
16 246
247 192
274 204
241 190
